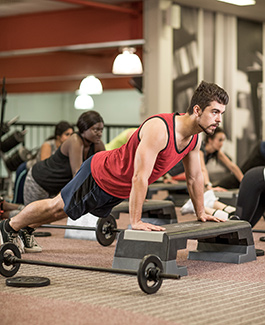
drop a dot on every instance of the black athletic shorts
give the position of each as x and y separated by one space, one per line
82 195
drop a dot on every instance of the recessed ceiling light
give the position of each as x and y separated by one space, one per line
240 2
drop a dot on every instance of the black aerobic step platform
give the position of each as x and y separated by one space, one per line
229 242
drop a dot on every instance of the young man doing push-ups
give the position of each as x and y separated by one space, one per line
109 177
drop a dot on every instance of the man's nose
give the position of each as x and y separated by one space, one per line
219 118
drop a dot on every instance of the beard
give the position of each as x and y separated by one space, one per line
206 130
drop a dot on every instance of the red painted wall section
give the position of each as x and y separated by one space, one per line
55 64
63 70
68 27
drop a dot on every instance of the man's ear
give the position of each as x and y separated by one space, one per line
197 110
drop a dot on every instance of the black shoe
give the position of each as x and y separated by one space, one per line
30 243
259 252
234 217
10 237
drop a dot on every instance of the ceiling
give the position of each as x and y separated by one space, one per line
256 12
50 45
20 7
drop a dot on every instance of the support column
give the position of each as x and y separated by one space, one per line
157 58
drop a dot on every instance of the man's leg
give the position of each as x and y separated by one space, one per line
33 215
38 213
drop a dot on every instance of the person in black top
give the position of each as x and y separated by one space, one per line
47 177
63 130
255 158
212 149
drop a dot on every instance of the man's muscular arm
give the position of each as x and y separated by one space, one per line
195 183
153 137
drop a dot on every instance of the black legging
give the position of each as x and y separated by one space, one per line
255 159
251 196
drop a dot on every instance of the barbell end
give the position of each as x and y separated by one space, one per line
170 276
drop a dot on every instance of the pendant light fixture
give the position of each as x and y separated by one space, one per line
240 2
84 102
90 85
127 63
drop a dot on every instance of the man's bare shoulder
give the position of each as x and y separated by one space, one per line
154 126
155 131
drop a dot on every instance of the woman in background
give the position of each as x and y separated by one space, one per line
47 177
63 130
211 149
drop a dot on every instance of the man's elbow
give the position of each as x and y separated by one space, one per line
139 179
192 179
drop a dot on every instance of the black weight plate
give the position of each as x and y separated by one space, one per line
259 252
28 281
42 234
104 230
7 269
148 274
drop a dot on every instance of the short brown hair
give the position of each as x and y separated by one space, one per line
207 93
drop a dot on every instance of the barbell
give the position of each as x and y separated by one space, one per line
149 275
106 229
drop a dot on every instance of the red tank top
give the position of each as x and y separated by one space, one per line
113 170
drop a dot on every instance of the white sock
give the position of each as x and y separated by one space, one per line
229 209
221 214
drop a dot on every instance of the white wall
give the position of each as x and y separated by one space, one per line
116 107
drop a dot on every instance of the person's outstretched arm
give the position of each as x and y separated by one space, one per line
153 139
195 184
230 165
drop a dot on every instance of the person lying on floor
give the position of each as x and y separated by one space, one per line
108 177
250 202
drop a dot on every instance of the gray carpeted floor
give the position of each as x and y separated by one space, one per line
212 293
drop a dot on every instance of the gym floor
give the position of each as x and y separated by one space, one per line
212 293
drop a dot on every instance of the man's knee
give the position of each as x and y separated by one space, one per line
57 207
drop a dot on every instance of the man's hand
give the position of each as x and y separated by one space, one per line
207 217
147 226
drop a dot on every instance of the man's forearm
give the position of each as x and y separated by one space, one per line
196 191
136 201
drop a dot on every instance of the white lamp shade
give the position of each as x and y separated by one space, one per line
84 102
240 2
127 63
90 86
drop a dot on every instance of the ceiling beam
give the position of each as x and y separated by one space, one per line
78 47
55 50
105 6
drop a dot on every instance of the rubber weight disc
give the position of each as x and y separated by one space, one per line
28 281
7 269
104 230
148 274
